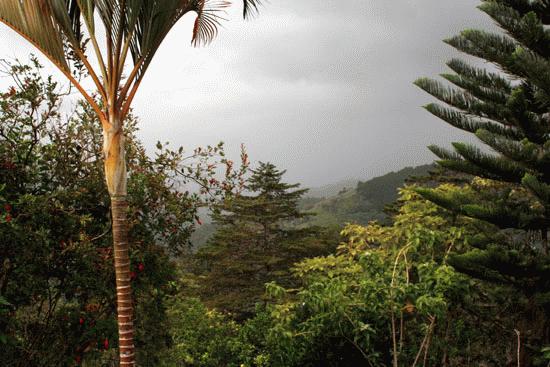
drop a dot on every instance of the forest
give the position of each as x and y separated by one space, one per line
115 255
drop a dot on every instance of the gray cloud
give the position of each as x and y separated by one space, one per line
321 88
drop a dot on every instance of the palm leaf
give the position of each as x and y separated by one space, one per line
148 23
208 20
250 7
34 20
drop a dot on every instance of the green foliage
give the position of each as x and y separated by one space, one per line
385 281
56 274
345 307
508 112
255 243
387 292
200 337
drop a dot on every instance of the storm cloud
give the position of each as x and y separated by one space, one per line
322 88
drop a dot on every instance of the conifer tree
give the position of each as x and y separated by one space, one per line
255 242
506 107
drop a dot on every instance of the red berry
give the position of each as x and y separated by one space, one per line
133 275
106 343
81 321
7 207
78 359
141 267
8 217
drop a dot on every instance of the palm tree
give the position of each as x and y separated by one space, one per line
61 30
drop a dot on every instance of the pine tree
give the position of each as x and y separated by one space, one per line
507 109
256 242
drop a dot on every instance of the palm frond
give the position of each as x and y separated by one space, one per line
34 20
250 7
148 23
87 9
207 21
38 21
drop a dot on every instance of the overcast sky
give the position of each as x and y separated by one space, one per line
322 88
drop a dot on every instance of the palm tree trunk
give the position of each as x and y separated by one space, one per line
125 309
115 175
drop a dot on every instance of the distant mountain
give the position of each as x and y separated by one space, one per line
382 190
331 189
361 203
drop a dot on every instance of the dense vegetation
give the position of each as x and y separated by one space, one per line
451 269
255 243
508 113
56 270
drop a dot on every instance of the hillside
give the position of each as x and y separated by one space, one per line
361 204
329 190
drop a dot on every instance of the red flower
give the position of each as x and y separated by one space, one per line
7 207
133 275
8 217
106 343
141 267
81 321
